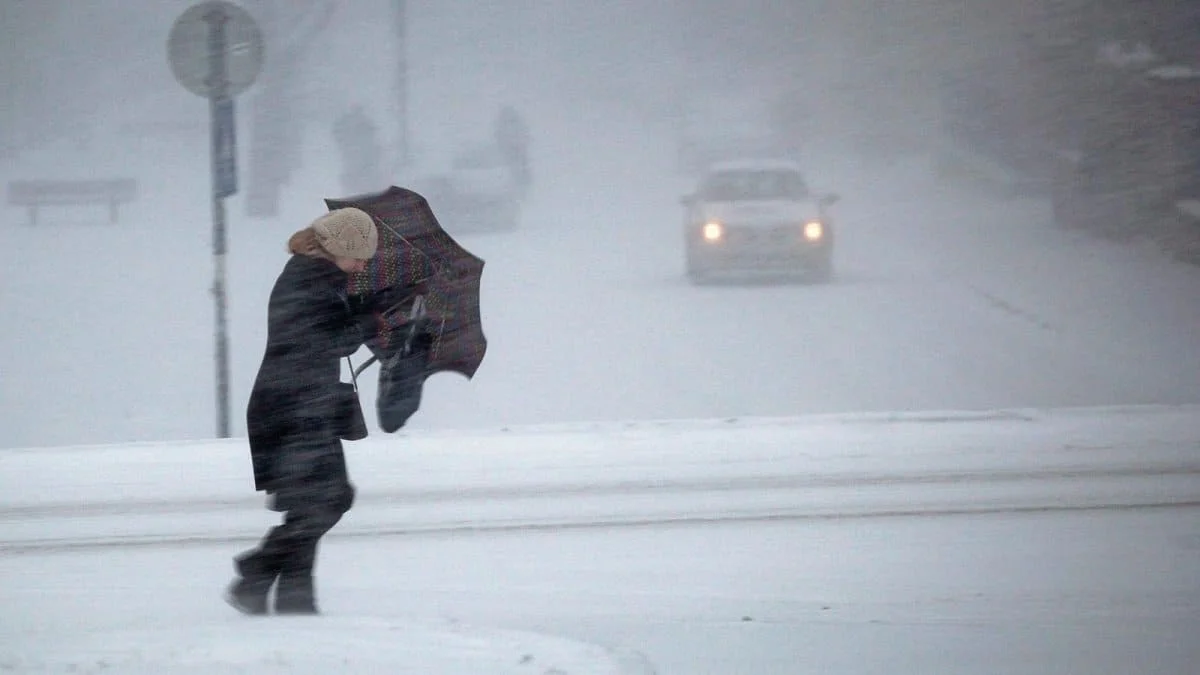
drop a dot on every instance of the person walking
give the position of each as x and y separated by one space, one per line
292 417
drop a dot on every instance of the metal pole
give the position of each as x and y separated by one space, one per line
222 337
402 149
219 85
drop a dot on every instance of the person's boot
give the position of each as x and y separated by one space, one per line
295 595
257 571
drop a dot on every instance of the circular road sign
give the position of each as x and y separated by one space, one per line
190 48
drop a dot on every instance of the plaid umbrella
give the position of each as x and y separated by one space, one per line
417 256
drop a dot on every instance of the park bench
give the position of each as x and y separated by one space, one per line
33 194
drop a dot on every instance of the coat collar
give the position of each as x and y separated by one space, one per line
320 268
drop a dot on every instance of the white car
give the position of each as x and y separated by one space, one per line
759 217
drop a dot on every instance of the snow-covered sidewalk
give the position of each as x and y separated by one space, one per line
602 474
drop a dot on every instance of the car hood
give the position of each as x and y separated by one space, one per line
771 212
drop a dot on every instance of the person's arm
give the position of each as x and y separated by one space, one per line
313 317
347 325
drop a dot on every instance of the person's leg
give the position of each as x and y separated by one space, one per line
295 593
256 570
318 506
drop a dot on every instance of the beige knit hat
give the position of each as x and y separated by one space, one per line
347 233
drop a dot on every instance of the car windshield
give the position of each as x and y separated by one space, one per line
764 184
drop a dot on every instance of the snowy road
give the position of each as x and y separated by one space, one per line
1016 541
1066 593
943 300
1057 593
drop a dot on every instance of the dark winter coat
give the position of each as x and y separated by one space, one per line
311 326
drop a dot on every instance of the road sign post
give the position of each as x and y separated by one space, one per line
224 150
215 50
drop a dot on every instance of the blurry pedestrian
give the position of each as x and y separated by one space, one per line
292 416
511 134
362 156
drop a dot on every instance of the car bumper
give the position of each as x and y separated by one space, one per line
706 257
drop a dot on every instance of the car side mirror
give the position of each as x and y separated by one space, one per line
829 199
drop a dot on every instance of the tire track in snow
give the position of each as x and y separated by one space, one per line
1013 310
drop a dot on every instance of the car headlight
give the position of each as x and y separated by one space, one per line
814 230
713 231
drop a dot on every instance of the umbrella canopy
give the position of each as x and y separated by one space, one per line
416 256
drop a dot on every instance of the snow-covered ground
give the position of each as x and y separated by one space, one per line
1017 541
974 452
627 473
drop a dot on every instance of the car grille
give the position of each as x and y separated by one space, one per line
762 236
